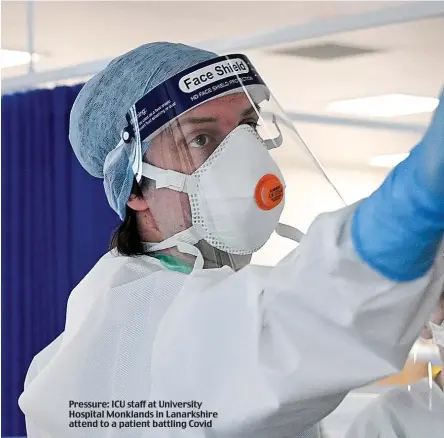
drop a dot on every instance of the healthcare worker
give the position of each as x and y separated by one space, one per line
408 412
188 144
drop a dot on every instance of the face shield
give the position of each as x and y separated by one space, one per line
219 162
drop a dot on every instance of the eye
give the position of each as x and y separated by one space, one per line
200 141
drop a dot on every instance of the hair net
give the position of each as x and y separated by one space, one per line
98 114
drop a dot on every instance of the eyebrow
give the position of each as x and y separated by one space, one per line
196 120
251 110
201 120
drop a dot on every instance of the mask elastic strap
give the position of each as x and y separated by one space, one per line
289 232
180 182
275 142
188 236
192 250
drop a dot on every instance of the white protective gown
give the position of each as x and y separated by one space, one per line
414 413
271 350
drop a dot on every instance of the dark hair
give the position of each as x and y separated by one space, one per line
126 238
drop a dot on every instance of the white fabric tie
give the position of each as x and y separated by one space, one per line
184 241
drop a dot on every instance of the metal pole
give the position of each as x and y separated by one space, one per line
31 48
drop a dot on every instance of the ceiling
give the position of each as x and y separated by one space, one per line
88 30
402 58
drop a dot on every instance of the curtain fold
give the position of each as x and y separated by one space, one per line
56 224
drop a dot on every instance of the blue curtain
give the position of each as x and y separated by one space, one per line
56 224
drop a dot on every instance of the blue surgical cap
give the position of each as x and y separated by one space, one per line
98 114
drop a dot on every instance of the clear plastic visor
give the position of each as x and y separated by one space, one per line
187 139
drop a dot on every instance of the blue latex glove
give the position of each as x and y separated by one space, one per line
398 229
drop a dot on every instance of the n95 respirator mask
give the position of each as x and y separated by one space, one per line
236 195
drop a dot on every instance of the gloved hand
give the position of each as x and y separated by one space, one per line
398 229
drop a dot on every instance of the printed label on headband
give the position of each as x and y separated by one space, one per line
191 88
212 73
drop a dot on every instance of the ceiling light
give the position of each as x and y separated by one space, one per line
389 105
389 161
12 58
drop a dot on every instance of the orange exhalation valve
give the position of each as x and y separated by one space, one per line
269 192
